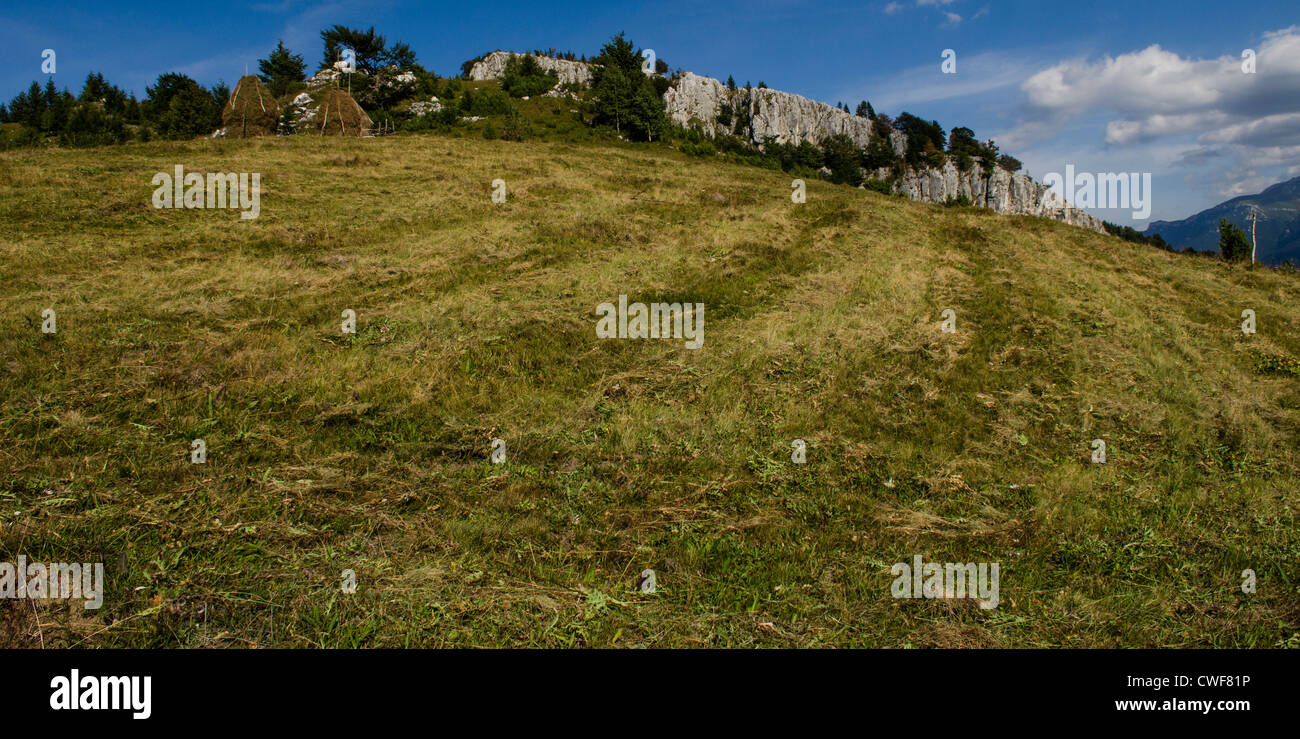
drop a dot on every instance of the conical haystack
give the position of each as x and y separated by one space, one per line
339 115
251 110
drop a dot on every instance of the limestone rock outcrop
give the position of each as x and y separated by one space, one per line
784 117
761 114
1002 192
491 66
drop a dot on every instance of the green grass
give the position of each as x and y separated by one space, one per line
476 321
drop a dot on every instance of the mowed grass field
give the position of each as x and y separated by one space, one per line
476 321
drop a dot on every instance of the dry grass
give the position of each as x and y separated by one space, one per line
476 321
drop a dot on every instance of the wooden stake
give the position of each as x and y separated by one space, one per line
1254 214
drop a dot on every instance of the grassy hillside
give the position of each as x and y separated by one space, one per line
476 321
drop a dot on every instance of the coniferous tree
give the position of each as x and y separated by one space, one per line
95 88
925 141
181 108
963 147
842 159
281 68
220 94
57 107
367 45
26 108
625 97
1233 244
879 154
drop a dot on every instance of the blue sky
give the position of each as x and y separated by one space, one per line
1107 86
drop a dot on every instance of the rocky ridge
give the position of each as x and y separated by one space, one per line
784 117
493 65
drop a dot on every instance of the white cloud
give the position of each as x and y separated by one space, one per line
893 9
1126 132
1240 131
1278 129
1158 92
952 19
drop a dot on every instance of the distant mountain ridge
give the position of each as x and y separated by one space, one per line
1277 232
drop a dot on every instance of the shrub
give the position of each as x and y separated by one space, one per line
515 127
702 149
879 154
15 135
1009 163
879 186
484 103
524 77
841 158
1278 364
89 125
1128 233
1233 244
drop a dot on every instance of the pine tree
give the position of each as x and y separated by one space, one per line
26 108
367 45
57 105
281 68
181 107
625 96
843 159
1233 244
220 94
95 88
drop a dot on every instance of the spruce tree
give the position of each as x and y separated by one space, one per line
1233 244
625 96
281 68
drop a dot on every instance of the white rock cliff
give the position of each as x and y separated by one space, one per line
491 66
693 100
